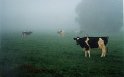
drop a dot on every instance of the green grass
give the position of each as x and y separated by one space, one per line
58 57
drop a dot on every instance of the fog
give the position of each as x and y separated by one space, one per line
0 22
103 16
93 16
38 15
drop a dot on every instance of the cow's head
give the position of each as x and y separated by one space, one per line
77 40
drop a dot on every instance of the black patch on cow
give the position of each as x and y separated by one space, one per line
93 42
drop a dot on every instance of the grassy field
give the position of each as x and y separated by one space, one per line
48 55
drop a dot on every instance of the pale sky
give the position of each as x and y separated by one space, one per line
123 17
39 14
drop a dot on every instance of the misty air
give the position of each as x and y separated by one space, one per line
61 38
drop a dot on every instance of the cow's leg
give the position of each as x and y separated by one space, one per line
22 35
88 53
102 54
104 51
85 53
84 50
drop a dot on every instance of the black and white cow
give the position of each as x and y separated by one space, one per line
92 42
26 33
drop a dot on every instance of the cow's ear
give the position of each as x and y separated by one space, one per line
74 38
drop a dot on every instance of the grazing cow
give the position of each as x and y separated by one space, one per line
61 32
26 33
92 42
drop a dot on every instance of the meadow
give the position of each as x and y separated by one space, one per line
48 55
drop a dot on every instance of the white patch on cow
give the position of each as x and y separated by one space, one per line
102 46
78 38
86 41
87 51
101 43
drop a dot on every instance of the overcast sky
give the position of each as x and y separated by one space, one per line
123 17
39 14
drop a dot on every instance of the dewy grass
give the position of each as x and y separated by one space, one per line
53 56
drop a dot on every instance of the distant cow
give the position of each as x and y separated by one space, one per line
61 32
26 33
92 42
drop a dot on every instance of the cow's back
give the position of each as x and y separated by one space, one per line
93 41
